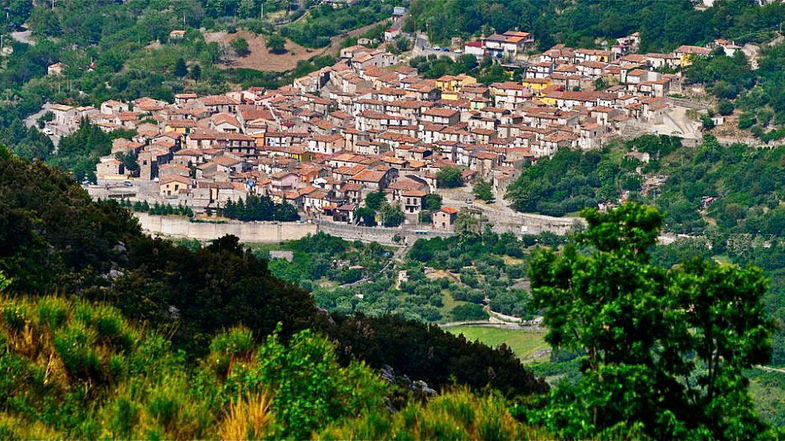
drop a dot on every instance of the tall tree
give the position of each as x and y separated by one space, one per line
483 190
196 72
374 200
392 215
180 68
449 177
662 350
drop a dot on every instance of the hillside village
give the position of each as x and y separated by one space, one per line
371 123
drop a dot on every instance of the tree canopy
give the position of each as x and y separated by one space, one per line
449 177
680 338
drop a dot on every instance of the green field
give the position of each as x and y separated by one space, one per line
524 343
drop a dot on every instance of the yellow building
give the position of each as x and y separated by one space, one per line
446 83
537 85
454 83
183 127
548 99
465 80
450 96
687 53
259 137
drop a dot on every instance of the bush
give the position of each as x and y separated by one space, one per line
746 120
240 46
74 347
309 388
483 190
276 44
470 280
449 177
725 107
457 414
469 311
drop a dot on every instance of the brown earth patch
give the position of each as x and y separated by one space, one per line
260 58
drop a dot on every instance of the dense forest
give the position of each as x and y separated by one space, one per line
107 332
664 24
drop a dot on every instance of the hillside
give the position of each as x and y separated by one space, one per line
55 239
126 50
75 370
664 24
146 339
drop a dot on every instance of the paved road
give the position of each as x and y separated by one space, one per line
488 324
422 47
771 369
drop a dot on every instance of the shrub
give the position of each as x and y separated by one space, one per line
52 312
469 311
470 280
746 120
725 107
310 389
15 316
454 415
248 417
237 343
73 345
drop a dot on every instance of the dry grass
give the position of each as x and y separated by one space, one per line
457 414
248 418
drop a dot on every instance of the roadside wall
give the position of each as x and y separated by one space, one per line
177 226
383 236
527 223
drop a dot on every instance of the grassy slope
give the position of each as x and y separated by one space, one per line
524 343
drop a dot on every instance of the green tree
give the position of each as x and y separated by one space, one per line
310 388
449 177
366 216
391 215
432 202
468 311
662 351
276 44
196 72
180 68
483 190
129 161
725 107
374 200
240 46
468 224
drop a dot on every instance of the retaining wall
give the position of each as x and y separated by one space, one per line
177 226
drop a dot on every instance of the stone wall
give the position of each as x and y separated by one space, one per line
177 226
383 236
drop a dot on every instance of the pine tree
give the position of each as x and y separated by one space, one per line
180 68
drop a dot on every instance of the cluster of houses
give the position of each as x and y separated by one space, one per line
369 123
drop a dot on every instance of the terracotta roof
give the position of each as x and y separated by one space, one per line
449 210
369 176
